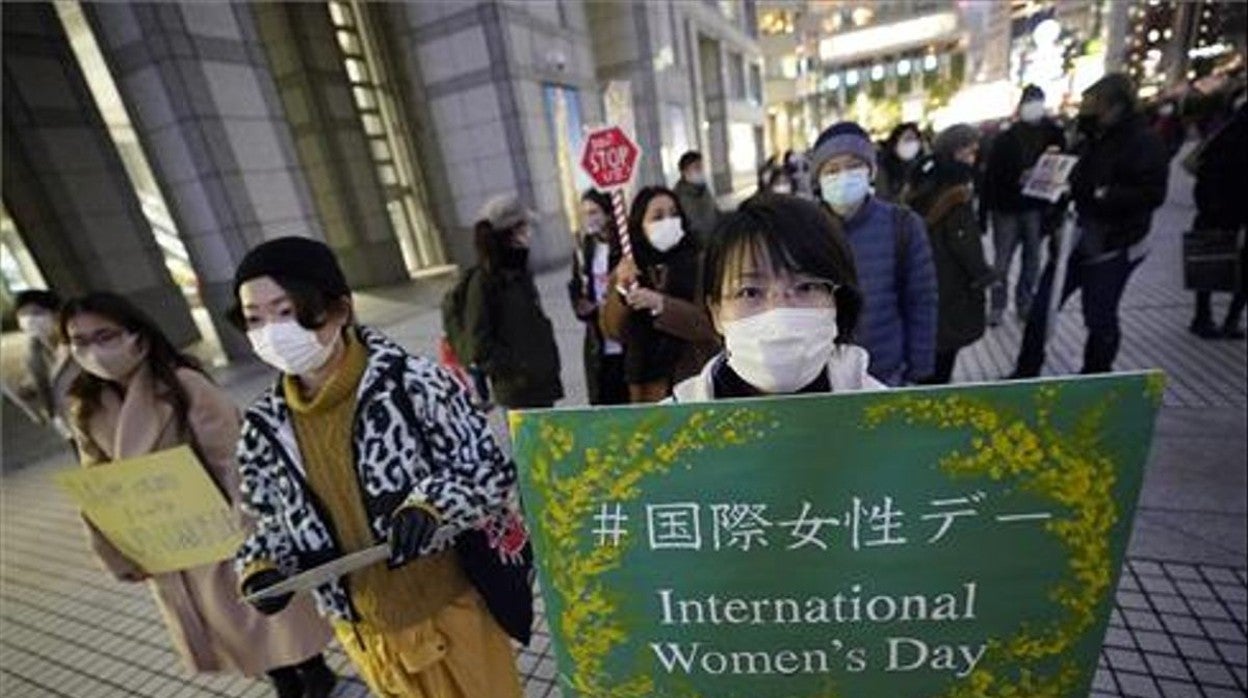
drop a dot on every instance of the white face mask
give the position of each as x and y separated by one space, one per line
594 225
846 190
907 150
290 347
665 234
1031 112
37 325
112 364
781 350
696 178
782 188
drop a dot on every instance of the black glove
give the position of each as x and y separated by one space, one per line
262 580
411 529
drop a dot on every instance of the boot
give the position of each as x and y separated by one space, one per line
286 682
318 679
1204 328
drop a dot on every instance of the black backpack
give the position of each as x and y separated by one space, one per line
453 320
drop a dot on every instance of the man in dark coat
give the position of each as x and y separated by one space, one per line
1119 181
1017 219
1221 204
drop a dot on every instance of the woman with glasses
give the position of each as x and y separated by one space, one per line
137 395
779 283
651 306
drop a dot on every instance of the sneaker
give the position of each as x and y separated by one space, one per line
1204 329
1232 332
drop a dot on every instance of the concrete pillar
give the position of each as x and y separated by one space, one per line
330 141
199 91
64 182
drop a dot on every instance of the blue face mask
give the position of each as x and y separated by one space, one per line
845 190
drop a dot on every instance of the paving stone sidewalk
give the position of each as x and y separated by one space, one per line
1178 629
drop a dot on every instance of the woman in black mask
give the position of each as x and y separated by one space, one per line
943 194
512 339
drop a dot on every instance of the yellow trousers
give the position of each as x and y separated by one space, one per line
461 652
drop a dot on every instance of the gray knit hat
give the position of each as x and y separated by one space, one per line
504 212
844 138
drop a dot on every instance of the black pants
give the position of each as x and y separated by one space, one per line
1102 285
945 361
609 387
1204 309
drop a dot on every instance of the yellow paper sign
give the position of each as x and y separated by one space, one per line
161 510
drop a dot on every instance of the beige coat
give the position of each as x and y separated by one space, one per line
210 627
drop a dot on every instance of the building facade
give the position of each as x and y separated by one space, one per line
148 146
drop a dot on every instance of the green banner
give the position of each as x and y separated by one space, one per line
953 542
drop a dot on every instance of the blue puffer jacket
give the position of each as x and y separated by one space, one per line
898 324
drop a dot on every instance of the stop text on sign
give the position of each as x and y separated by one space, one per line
609 157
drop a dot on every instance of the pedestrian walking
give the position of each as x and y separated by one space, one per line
891 253
1119 181
898 155
359 444
1017 220
511 338
138 395
596 254
1222 206
653 307
780 287
50 368
696 199
944 196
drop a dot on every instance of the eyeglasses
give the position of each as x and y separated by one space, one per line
750 299
104 339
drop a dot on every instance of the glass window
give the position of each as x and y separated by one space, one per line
372 124
380 148
340 13
365 98
349 42
356 70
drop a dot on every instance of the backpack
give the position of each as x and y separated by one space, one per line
453 321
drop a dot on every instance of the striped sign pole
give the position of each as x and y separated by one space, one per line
621 222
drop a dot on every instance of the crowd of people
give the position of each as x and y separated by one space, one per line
856 266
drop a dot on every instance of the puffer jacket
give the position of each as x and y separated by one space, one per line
418 440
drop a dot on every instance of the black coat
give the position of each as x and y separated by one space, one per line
513 339
1219 191
1119 181
581 287
1012 153
945 200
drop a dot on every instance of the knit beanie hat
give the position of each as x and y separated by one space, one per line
307 260
844 138
504 212
953 139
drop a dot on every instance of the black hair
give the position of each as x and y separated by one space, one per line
799 237
48 300
643 252
691 157
163 358
313 304
900 130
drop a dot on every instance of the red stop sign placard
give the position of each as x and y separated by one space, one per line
609 157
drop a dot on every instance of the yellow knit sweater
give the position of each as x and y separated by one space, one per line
386 599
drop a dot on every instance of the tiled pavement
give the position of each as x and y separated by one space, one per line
1178 629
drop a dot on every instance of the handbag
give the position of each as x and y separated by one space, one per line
497 557
1213 260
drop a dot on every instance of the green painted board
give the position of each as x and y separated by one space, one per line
943 542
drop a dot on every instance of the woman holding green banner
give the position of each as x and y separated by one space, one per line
138 395
779 282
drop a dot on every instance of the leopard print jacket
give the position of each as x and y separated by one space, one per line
418 440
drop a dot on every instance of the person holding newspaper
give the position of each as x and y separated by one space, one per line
361 447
